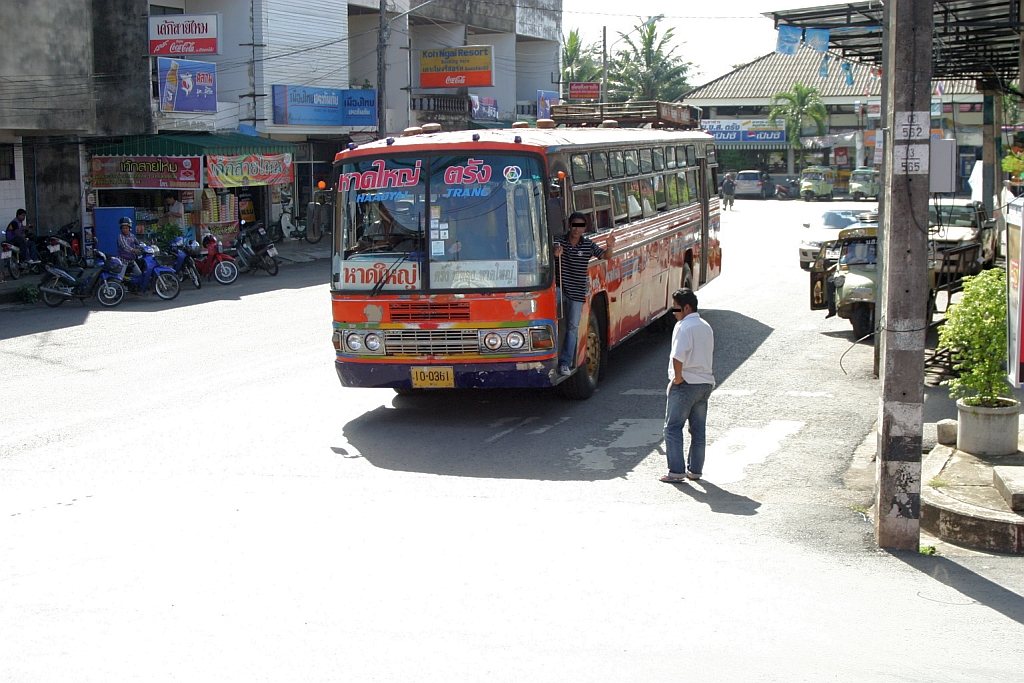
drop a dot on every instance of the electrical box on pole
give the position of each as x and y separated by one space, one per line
942 166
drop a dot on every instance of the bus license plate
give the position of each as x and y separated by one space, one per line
433 377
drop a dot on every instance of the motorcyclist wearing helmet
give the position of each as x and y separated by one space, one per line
128 247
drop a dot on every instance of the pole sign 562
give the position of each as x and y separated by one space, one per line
184 34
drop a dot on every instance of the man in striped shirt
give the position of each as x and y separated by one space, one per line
573 252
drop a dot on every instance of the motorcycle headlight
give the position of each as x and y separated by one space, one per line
492 340
354 342
372 342
515 340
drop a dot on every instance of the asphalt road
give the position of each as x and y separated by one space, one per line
186 493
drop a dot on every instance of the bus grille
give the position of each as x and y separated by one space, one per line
430 342
406 311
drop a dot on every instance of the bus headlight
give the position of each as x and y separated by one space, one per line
492 340
372 342
542 339
354 342
515 340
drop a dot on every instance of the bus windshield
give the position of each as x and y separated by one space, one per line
440 223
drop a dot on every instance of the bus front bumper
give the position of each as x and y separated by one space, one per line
530 374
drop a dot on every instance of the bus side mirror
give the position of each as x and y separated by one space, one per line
556 218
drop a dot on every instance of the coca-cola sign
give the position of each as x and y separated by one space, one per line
184 34
456 67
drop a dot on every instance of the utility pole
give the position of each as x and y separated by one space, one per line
382 66
905 272
604 64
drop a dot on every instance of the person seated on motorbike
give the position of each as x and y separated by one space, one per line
128 248
16 236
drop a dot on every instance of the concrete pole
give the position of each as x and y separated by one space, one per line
382 67
989 154
880 139
908 118
604 64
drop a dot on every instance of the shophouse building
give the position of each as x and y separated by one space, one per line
736 108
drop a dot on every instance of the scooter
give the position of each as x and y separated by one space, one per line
255 249
221 266
104 282
788 189
183 263
153 277
56 250
10 256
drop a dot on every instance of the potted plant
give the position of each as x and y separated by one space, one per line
975 333
1013 163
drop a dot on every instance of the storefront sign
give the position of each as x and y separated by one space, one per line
545 98
584 91
840 157
248 169
296 105
473 274
1014 292
744 130
874 110
172 173
485 108
183 34
186 85
457 67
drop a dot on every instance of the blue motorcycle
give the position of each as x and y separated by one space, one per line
104 282
184 264
152 276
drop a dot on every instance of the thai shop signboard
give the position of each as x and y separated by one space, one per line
584 91
171 173
457 67
248 169
186 85
296 105
1014 291
744 130
184 34
483 108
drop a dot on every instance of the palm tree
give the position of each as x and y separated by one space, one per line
648 68
580 62
795 107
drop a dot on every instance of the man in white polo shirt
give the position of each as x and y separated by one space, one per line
690 384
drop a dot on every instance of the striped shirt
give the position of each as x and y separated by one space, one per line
574 266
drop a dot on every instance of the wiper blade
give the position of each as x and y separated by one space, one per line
379 285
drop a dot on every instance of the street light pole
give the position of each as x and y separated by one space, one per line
604 51
382 65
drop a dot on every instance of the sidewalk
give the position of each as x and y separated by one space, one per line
289 251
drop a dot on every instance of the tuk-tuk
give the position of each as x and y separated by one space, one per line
817 182
844 278
864 183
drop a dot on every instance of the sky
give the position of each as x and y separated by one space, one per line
712 35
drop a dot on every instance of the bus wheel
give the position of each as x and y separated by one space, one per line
583 382
862 322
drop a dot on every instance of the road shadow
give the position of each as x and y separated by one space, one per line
36 318
959 578
718 499
538 434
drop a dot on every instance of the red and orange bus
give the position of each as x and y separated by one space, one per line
443 274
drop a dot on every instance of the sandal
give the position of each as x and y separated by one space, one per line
673 478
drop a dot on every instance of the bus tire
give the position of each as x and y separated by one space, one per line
862 322
583 382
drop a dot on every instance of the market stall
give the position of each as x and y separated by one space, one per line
202 183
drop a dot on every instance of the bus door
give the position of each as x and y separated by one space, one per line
708 188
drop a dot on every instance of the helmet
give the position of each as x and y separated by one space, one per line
192 248
150 249
177 242
208 239
125 220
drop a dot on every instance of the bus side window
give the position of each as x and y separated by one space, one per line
583 200
619 203
599 162
618 167
633 199
681 160
602 208
671 190
659 159
632 163
670 157
691 155
646 161
712 189
647 197
580 168
660 202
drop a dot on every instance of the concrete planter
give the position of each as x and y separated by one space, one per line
987 431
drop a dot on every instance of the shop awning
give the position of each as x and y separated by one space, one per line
194 144
752 145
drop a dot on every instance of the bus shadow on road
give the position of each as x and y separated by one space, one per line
538 434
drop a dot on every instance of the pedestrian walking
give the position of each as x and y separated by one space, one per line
728 191
690 384
573 252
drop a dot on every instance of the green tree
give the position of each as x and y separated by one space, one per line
580 63
796 107
647 68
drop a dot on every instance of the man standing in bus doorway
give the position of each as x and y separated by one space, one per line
690 385
573 252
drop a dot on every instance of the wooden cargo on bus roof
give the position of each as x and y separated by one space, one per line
661 114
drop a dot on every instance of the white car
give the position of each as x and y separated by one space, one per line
754 184
822 229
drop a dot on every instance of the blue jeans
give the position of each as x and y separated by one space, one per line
573 312
686 402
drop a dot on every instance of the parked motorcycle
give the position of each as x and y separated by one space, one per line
55 250
103 282
255 249
788 189
152 276
12 258
182 260
216 263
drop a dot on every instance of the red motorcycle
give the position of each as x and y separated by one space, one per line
221 266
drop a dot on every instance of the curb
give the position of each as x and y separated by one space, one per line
961 523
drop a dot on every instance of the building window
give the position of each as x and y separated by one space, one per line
7 162
161 9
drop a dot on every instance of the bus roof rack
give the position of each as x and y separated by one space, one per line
660 114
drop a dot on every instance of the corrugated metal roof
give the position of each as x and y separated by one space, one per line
774 72
194 144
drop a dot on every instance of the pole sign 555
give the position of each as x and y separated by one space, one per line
184 34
